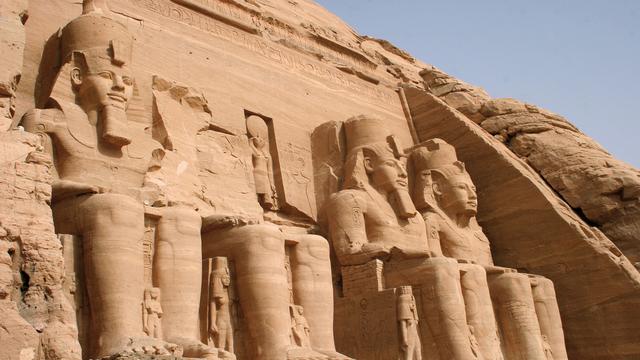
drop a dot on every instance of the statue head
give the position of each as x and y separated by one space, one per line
439 179
406 290
98 50
374 161
152 293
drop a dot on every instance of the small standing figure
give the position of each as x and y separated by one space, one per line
475 346
152 313
548 352
261 158
300 330
220 329
408 322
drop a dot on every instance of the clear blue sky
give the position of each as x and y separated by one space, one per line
578 58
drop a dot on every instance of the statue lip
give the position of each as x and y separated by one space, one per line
402 182
117 97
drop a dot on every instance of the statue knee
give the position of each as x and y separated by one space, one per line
542 287
243 241
179 223
112 210
312 248
508 286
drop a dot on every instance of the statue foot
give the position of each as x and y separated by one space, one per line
225 355
300 353
144 347
334 355
196 349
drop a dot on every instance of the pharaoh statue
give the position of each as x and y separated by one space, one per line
220 328
299 327
262 163
408 323
152 313
101 162
526 308
373 218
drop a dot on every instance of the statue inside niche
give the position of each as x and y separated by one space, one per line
300 331
152 313
102 159
444 192
408 323
373 217
220 327
258 132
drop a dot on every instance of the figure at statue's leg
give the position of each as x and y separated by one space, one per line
259 255
313 290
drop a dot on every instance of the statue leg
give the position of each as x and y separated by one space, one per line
259 255
313 290
479 308
546 303
440 300
178 274
312 287
511 293
112 231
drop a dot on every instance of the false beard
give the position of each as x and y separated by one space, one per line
114 125
401 202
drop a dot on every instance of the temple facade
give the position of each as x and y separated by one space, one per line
253 180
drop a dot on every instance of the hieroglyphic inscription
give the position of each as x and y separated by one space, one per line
296 171
276 53
219 12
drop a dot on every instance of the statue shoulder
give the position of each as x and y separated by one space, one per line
348 198
42 120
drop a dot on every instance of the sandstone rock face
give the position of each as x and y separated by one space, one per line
13 15
601 188
251 179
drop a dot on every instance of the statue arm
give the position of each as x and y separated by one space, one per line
404 338
44 123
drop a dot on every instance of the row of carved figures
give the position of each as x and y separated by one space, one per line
107 186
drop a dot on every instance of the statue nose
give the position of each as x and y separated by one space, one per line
472 194
401 171
118 83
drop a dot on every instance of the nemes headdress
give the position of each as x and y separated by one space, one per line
96 33
365 132
434 155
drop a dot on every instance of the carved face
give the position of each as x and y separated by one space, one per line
103 84
456 194
386 172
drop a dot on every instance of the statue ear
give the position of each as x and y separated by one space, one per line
79 64
368 160
437 190
76 76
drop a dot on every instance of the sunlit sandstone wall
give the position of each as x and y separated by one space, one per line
300 66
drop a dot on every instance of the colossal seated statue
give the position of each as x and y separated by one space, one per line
440 250
526 306
101 163
373 217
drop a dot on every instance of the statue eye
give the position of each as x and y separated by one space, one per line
127 81
106 75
